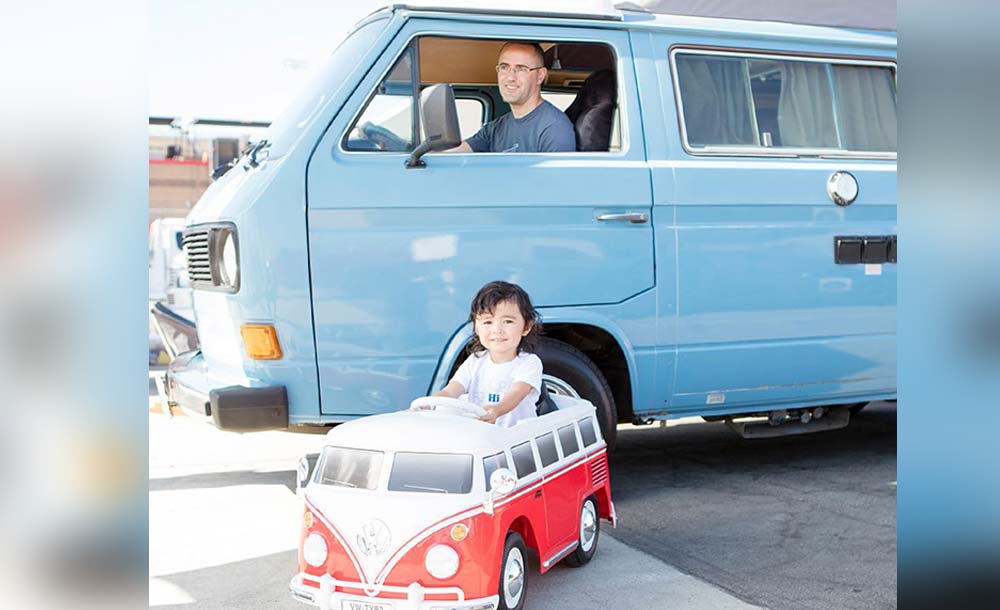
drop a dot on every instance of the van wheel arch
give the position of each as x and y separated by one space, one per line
567 366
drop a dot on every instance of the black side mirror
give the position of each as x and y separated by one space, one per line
439 118
221 170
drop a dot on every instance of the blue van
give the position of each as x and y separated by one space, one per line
724 247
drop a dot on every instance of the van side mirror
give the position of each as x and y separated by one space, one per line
439 119
303 472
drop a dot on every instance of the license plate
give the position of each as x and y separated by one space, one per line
356 604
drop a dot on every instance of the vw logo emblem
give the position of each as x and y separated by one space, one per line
374 538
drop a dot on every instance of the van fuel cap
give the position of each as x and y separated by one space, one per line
842 188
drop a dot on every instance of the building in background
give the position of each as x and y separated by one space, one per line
183 153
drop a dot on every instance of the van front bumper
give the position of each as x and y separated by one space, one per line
323 592
234 407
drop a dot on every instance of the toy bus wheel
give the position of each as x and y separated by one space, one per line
589 532
513 573
569 372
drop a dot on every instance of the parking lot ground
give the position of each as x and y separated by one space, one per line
795 523
707 520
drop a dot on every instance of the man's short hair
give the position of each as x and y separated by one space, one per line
537 48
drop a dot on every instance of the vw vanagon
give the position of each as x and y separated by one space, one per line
722 244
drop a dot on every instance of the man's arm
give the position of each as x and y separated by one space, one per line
461 148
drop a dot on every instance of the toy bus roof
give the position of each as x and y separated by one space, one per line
863 22
431 432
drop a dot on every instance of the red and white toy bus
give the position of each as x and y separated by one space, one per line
432 509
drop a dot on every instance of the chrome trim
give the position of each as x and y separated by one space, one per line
566 551
760 151
842 187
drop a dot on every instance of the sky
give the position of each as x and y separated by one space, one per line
240 59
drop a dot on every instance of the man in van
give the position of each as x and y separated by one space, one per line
532 125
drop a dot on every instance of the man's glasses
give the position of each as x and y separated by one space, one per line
518 69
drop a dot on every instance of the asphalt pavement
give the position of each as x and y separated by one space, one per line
707 520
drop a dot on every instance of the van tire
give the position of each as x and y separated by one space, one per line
583 554
514 551
570 365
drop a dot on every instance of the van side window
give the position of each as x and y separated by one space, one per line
547 449
567 438
762 102
491 464
387 123
587 432
524 459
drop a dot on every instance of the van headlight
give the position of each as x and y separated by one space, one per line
314 550
230 267
441 561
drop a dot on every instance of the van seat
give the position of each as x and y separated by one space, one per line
592 112
545 403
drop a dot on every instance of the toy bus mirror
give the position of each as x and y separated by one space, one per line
303 472
439 118
502 482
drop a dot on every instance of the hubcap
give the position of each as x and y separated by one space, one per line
513 578
588 526
559 387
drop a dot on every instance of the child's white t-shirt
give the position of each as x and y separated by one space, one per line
486 382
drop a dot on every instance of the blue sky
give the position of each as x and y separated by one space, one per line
242 59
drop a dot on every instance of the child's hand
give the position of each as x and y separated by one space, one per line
490 416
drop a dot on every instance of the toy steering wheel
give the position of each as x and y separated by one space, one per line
442 404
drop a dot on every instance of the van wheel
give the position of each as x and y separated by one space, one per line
513 573
589 532
568 372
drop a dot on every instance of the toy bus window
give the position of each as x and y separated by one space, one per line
431 473
567 438
491 464
547 449
357 468
524 459
587 432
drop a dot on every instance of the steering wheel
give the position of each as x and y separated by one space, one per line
442 404
385 139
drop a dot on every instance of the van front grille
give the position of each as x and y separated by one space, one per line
198 264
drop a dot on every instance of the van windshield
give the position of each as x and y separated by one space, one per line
431 473
356 468
346 57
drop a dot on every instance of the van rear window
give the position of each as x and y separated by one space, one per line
766 102
358 468
431 473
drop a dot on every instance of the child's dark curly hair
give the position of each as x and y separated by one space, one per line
486 301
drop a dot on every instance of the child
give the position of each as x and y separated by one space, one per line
500 373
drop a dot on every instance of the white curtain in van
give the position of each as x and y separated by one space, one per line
805 106
866 103
716 100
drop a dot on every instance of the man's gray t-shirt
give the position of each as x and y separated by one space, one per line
544 129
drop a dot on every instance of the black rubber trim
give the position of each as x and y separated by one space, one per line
247 409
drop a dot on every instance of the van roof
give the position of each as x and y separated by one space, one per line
433 432
863 22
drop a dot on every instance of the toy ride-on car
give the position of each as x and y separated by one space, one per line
431 508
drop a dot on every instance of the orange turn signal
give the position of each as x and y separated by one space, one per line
308 520
459 532
260 341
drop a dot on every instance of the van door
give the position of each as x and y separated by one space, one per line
397 254
765 313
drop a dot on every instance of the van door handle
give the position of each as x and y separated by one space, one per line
538 494
636 218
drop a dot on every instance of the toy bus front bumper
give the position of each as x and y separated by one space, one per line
326 596
230 407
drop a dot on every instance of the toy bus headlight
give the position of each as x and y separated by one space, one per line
441 561
314 550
